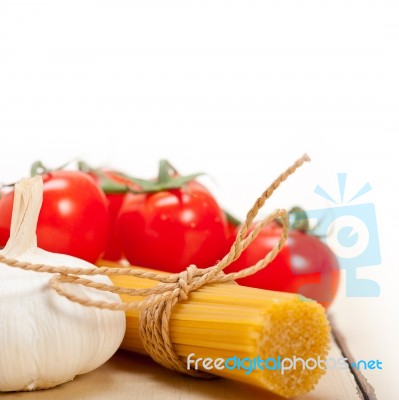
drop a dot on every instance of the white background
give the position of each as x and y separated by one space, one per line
238 89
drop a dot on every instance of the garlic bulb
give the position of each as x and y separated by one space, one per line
45 339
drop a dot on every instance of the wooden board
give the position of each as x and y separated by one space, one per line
129 376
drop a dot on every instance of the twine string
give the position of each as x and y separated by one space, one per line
158 301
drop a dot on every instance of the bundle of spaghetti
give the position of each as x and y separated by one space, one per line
227 320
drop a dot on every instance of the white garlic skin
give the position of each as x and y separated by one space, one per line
45 339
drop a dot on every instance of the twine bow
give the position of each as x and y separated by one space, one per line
158 302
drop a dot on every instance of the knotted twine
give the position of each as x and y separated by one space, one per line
158 302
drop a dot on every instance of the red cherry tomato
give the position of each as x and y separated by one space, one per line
73 219
115 200
113 249
171 229
304 265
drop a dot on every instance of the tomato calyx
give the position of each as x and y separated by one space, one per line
298 219
38 168
168 179
108 185
231 219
